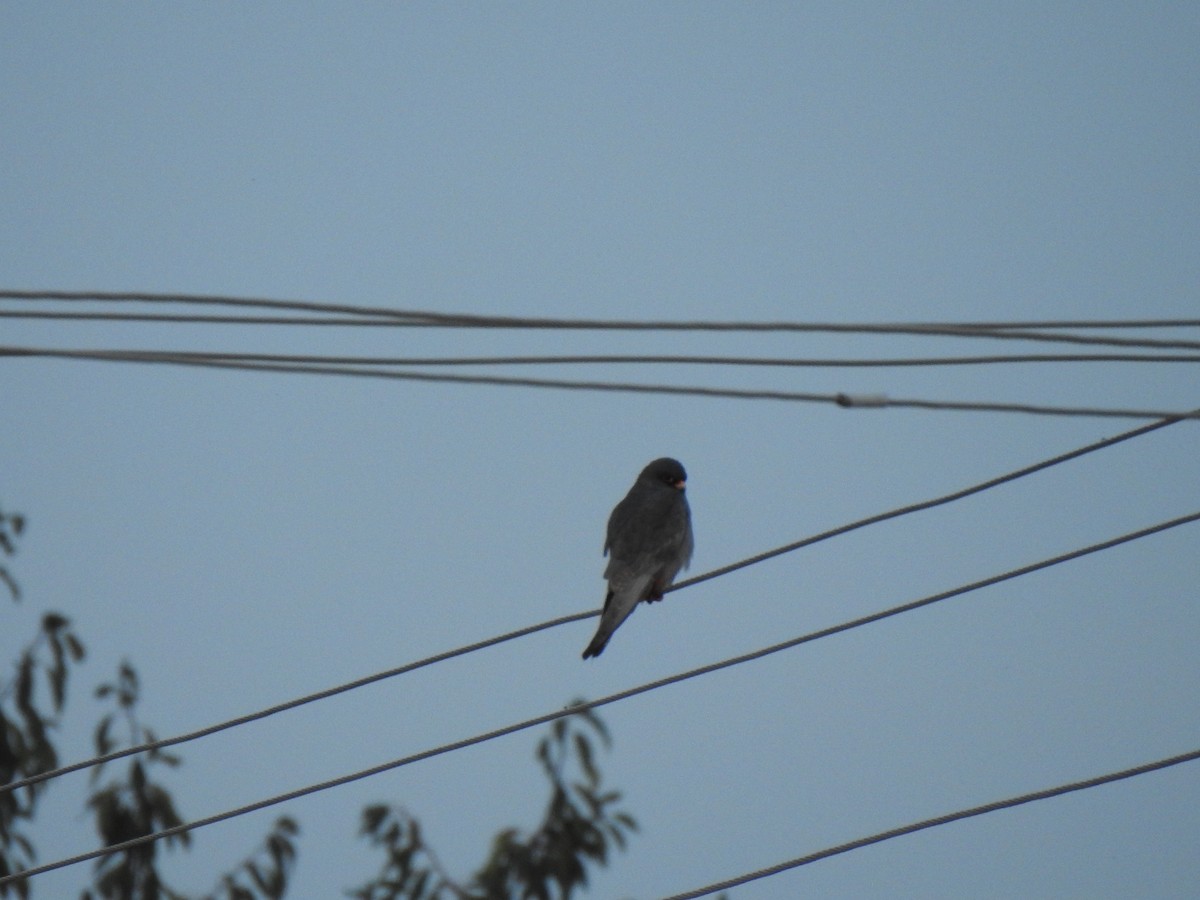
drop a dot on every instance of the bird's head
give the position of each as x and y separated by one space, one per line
665 471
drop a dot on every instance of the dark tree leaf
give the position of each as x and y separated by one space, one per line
24 693
75 647
372 818
14 590
584 750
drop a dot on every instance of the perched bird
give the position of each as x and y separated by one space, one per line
650 540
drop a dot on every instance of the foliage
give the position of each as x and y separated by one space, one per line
264 874
11 526
135 806
28 716
579 826
130 807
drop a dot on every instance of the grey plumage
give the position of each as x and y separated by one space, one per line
649 539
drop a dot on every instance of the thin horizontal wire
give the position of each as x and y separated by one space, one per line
219 300
958 331
849 401
946 819
1086 323
603 701
462 320
152 318
595 359
434 316
575 617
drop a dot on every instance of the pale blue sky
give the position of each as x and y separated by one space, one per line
244 539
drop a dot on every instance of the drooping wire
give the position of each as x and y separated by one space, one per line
430 318
844 400
437 316
205 319
946 819
603 701
595 359
576 617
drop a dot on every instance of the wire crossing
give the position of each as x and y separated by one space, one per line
1030 331
169 356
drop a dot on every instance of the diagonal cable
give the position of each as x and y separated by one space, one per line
576 617
603 701
939 820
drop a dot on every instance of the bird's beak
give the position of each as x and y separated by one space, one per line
680 485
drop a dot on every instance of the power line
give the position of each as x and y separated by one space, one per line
1017 331
387 322
854 401
300 701
430 315
1088 323
152 318
219 300
575 617
603 701
936 501
595 359
940 820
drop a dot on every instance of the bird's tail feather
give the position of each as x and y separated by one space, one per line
596 647
617 607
